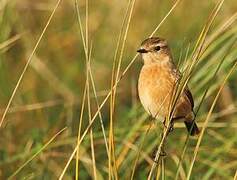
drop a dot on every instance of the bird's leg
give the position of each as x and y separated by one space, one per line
151 117
157 154
171 128
161 154
162 151
171 125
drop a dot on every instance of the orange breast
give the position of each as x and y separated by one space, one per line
155 89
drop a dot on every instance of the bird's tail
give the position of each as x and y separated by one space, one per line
192 127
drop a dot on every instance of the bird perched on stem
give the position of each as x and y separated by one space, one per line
158 82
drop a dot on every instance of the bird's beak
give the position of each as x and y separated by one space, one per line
142 50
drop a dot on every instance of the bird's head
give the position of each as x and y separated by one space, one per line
155 50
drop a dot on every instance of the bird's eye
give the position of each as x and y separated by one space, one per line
157 48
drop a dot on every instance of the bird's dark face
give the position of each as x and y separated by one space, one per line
154 49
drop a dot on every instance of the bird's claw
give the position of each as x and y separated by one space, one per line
161 154
171 128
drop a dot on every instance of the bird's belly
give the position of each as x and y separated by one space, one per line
155 97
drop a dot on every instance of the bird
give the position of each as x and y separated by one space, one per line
158 78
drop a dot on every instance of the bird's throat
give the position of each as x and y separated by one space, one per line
163 61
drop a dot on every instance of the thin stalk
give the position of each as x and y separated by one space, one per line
89 116
85 90
79 131
113 95
91 77
139 151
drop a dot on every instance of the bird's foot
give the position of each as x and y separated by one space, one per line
161 154
171 128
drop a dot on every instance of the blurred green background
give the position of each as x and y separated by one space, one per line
50 95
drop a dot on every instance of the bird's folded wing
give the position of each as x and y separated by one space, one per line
189 96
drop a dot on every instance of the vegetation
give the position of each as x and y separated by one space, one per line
69 105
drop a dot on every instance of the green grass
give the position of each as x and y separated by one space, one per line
73 64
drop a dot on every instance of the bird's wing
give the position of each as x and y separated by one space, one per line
187 93
189 96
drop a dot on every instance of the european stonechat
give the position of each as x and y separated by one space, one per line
158 77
